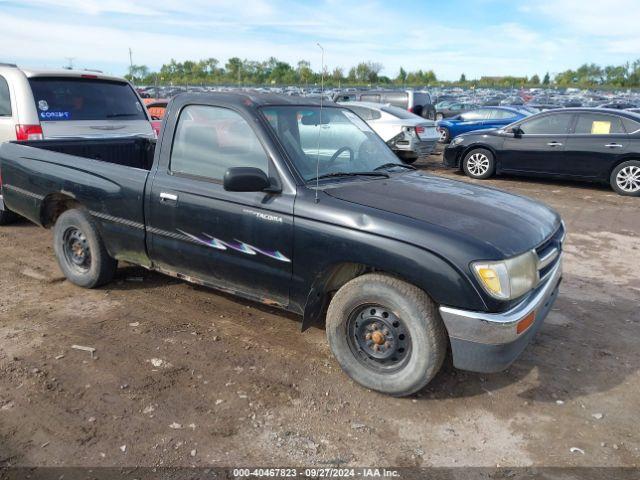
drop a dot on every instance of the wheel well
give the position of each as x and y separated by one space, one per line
55 205
328 283
615 165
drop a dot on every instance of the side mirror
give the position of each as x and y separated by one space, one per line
515 131
245 179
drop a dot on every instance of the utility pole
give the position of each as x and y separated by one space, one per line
131 64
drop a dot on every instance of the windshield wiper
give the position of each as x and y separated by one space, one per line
351 174
391 164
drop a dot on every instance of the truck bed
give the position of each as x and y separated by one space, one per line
133 152
105 176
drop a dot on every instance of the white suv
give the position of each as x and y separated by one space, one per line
47 104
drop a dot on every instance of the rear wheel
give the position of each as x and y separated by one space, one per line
386 334
7 217
625 178
445 135
80 250
479 163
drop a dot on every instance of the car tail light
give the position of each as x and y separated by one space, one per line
29 132
156 124
419 129
89 76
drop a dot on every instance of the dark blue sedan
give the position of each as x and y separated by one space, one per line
487 117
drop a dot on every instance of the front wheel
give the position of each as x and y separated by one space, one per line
479 163
625 178
80 251
386 334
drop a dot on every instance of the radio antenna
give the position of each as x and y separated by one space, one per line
320 124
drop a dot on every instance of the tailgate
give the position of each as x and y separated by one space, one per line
95 128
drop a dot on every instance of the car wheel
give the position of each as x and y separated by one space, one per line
386 334
80 251
445 135
439 116
479 163
625 178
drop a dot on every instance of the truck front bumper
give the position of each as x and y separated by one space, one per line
490 342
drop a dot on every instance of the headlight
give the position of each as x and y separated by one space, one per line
508 279
456 141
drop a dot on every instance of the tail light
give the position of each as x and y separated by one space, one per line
419 129
29 132
156 124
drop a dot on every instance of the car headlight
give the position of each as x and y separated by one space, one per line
456 141
510 278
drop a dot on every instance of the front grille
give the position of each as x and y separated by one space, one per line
549 253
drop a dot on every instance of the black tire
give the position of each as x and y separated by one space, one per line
408 158
7 217
479 163
416 344
80 251
629 170
445 135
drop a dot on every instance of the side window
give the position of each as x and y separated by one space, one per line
474 115
369 97
598 124
5 99
554 124
209 140
501 114
631 126
397 99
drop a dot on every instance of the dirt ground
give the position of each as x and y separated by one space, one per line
187 376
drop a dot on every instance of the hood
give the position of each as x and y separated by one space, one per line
510 223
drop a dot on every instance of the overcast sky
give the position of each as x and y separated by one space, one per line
475 37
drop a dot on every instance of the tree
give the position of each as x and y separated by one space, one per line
234 69
304 71
547 79
402 76
337 75
463 78
535 80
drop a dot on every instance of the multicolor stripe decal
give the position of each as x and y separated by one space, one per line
236 245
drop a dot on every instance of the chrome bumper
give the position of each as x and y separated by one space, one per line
500 328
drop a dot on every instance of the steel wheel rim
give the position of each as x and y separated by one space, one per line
378 338
628 179
478 164
76 249
444 134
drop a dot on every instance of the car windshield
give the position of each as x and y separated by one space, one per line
336 138
71 98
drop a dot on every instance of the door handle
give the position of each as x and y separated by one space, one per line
168 198
614 145
554 144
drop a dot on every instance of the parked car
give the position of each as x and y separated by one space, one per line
580 143
417 102
278 200
485 117
408 135
451 109
618 105
45 104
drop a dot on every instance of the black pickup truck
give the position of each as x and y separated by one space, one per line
302 206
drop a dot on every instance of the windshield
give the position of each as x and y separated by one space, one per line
400 113
346 143
70 98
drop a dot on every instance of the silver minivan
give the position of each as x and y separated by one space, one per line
48 104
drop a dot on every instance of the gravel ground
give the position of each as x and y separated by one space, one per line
186 376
